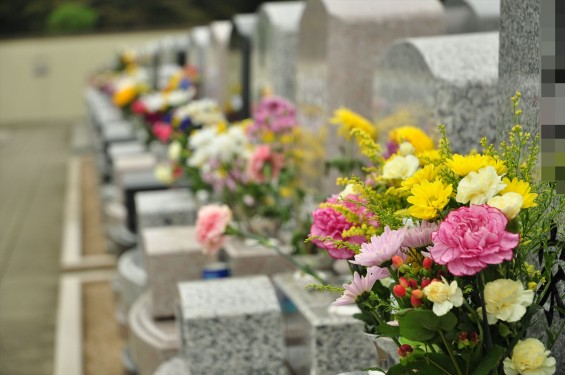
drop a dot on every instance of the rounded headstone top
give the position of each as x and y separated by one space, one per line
200 36
220 31
283 15
453 58
244 24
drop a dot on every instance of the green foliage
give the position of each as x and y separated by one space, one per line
70 18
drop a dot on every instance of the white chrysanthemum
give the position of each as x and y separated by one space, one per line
444 296
506 300
400 167
153 102
478 187
529 357
179 97
509 203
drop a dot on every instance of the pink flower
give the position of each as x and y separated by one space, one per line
360 285
138 107
381 248
262 158
471 238
420 235
211 225
274 114
162 131
327 222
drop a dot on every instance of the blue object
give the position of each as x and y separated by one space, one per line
216 270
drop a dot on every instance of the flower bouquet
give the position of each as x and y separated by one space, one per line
450 254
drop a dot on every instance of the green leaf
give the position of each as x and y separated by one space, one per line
388 330
490 361
420 367
422 325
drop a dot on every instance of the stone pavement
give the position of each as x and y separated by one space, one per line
33 166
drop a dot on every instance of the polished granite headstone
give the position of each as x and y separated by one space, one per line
239 57
231 325
275 44
171 255
331 342
449 80
166 207
217 72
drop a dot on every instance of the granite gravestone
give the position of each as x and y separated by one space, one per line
200 49
165 207
217 71
231 325
274 54
468 16
239 75
450 80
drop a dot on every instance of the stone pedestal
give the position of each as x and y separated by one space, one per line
274 54
164 208
174 366
231 326
172 255
151 342
247 258
331 343
144 161
447 80
131 281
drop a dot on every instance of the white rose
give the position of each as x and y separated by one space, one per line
478 187
400 167
509 203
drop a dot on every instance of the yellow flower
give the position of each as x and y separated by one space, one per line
285 192
444 296
428 198
268 136
416 136
529 357
506 300
479 187
463 165
222 127
348 120
429 156
509 203
522 188
532 285
428 173
124 96
498 165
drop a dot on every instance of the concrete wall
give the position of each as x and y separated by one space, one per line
43 79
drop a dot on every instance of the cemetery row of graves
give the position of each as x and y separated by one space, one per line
218 152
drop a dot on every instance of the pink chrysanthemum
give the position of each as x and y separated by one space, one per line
360 285
471 238
420 235
381 248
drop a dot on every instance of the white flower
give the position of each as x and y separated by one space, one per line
400 167
406 148
349 189
175 150
529 357
164 174
179 97
506 300
153 102
509 203
478 187
444 296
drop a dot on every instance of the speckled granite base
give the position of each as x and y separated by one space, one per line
165 208
172 255
231 326
174 366
251 259
447 80
333 343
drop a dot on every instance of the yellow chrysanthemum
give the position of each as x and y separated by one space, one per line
124 96
428 198
428 173
463 165
497 164
522 188
416 136
348 120
429 156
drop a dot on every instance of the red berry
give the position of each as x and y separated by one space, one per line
413 284
427 263
399 291
397 261
404 350
417 293
416 302
462 336
425 282
402 281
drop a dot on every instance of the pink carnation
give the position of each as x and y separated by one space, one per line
471 238
162 131
265 157
327 222
211 225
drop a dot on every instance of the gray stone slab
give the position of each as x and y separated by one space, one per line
231 326
164 208
468 16
172 255
217 72
333 343
275 45
125 148
127 163
450 80
151 342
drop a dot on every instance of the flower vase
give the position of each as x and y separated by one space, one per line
386 350
214 268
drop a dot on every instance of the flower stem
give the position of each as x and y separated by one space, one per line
481 282
448 347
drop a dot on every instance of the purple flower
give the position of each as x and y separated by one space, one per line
381 248
420 235
360 285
